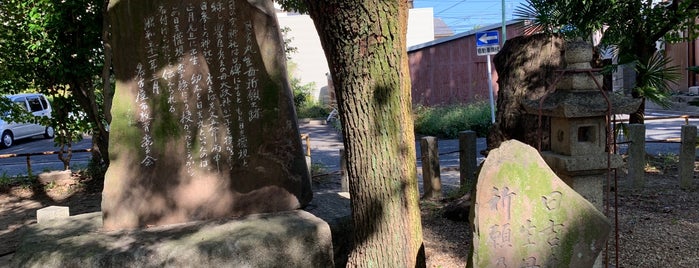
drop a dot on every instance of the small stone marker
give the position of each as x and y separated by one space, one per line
467 157
431 178
525 216
203 117
52 213
688 153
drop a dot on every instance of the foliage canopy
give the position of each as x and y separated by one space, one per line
55 48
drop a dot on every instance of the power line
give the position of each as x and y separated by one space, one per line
452 6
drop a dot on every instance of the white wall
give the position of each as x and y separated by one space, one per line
311 65
420 26
309 59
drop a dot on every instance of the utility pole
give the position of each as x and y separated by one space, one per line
504 24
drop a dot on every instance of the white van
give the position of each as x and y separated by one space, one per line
38 105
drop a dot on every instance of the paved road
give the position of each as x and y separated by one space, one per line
18 165
326 142
325 145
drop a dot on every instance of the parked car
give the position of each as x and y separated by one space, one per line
35 103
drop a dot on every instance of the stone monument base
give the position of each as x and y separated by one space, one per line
285 239
334 208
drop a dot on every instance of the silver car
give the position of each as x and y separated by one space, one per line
35 103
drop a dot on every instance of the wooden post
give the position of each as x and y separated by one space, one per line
687 156
309 164
431 181
637 154
344 180
29 167
467 157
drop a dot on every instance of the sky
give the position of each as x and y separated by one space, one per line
466 15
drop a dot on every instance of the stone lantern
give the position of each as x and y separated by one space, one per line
578 110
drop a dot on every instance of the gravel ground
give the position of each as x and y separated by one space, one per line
658 225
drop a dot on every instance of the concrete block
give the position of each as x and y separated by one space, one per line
285 239
51 214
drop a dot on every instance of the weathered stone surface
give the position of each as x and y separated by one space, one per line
578 52
285 239
579 81
524 216
203 119
577 136
590 187
334 208
573 104
58 178
582 164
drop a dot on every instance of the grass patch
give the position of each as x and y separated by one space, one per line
7 181
661 163
447 121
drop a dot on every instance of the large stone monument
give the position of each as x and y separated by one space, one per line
203 120
525 216
204 130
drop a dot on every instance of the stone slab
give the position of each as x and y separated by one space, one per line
52 214
286 239
525 216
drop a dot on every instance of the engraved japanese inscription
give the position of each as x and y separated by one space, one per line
204 124
525 216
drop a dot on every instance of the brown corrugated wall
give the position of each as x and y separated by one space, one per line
451 72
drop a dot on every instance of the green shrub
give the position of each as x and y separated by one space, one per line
447 121
311 110
306 106
302 92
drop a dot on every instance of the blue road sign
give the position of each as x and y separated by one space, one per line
489 38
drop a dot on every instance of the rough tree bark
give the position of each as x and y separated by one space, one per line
364 41
525 67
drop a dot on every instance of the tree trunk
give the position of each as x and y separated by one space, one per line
364 41
102 142
638 117
644 51
108 91
84 94
525 67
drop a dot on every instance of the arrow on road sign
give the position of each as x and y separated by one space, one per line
489 38
486 38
